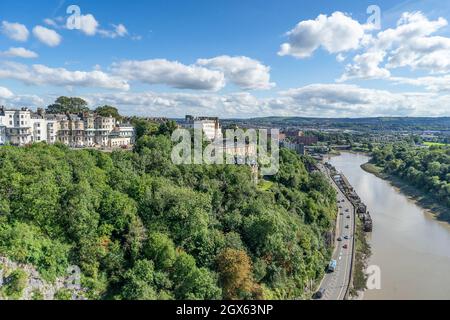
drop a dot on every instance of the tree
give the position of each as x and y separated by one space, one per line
235 271
139 282
108 111
191 282
68 105
145 128
140 227
160 248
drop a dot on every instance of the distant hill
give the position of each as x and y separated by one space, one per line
378 123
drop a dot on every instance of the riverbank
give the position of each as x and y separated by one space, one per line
362 256
420 197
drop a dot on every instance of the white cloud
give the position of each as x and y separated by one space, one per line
336 33
15 31
43 75
47 36
51 23
88 24
340 57
341 100
317 100
91 27
171 73
19 53
366 66
30 101
118 32
121 30
5 93
431 83
241 104
244 72
410 44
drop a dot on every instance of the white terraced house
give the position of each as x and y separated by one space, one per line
209 125
22 126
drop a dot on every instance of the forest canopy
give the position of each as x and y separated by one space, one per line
140 227
425 168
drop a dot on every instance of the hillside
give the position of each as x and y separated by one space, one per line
140 227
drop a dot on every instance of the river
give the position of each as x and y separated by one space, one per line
411 248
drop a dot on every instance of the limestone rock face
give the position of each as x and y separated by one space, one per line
35 283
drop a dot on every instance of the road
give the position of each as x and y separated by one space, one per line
337 282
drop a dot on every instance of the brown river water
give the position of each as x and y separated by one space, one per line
411 248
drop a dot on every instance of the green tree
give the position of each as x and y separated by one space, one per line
108 111
138 282
68 105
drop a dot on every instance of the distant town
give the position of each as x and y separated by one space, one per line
313 136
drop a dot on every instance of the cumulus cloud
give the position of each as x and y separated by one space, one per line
242 71
5 93
43 75
19 53
15 31
119 31
340 100
51 23
317 100
88 24
10 99
431 83
47 36
366 66
335 33
410 44
175 104
340 57
171 73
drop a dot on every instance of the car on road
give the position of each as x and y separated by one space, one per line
347 227
345 246
341 213
332 266
348 217
346 237
347 210
319 294
339 239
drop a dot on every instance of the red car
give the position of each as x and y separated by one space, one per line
345 246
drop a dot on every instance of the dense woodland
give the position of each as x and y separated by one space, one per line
140 227
425 168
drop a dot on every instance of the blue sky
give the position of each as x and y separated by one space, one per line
225 57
